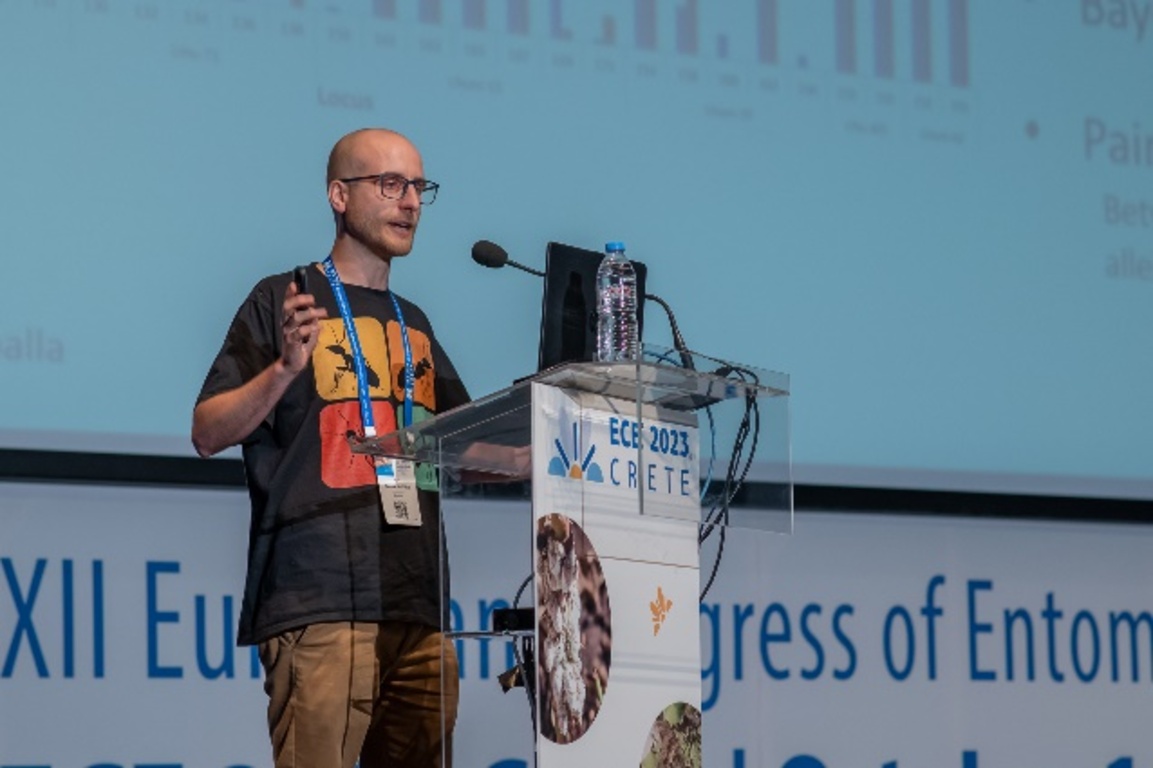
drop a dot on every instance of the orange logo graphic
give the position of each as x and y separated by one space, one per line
660 608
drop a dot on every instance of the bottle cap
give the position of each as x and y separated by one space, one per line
614 245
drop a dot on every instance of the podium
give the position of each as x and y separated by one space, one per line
575 506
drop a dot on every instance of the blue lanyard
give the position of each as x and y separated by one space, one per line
409 373
358 356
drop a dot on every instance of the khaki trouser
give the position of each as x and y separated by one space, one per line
339 692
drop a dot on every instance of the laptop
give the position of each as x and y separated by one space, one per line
568 320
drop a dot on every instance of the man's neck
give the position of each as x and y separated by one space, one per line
356 265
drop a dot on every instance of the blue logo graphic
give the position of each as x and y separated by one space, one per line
586 469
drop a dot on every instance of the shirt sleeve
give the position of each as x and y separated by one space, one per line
450 390
250 346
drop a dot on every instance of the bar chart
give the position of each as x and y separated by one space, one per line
918 41
646 24
558 30
766 26
518 17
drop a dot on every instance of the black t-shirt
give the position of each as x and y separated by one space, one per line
319 548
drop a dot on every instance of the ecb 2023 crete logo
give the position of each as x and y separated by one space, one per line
576 468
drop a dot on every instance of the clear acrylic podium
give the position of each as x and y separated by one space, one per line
576 505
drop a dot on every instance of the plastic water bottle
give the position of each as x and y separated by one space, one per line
616 306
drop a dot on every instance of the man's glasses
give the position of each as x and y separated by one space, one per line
393 186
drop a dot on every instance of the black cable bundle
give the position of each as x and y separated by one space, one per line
738 470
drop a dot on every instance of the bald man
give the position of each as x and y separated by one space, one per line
342 595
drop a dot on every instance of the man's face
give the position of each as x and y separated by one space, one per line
386 227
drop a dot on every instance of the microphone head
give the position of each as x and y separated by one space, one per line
489 254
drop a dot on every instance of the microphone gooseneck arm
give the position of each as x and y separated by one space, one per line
489 254
678 340
523 268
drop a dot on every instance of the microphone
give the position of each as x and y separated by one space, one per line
489 254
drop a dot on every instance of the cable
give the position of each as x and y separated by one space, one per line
716 563
712 453
737 471
678 340
750 424
520 590
525 659
526 663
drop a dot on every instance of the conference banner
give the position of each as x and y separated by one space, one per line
861 640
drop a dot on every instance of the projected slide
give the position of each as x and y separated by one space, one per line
934 214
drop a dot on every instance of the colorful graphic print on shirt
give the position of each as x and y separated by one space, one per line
335 380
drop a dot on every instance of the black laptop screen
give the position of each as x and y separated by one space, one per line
568 309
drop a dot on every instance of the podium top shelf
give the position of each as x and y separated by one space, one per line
655 380
660 378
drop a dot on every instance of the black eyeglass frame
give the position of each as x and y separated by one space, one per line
422 186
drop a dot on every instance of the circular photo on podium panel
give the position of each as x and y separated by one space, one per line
674 741
575 629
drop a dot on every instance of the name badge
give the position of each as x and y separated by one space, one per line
396 482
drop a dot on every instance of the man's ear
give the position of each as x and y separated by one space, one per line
338 196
